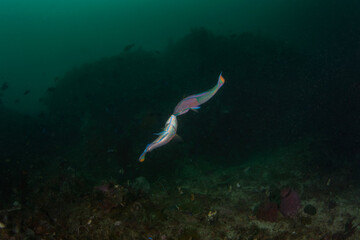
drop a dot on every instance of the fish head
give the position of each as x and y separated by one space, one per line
142 158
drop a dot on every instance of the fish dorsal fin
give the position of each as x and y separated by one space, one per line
159 133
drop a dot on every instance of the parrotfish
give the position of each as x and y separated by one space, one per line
194 101
165 136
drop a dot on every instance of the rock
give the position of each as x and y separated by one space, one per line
332 204
141 184
305 220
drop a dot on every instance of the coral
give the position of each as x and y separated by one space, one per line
290 202
268 211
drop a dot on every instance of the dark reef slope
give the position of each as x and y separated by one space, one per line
101 115
273 94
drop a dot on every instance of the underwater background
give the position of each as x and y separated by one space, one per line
274 154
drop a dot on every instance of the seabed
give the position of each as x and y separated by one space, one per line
206 202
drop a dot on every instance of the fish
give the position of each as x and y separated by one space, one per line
193 102
26 92
4 86
164 137
105 188
128 47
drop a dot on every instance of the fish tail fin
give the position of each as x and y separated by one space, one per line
142 156
221 80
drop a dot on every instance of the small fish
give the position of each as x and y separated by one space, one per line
194 101
51 89
4 86
105 188
111 150
26 92
165 136
128 47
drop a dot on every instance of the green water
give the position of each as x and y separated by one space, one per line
85 84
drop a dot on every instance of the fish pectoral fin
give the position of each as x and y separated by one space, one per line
195 109
159 133
177 138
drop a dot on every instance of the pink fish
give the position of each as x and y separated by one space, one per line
194 101
105 188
